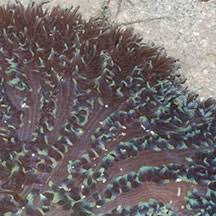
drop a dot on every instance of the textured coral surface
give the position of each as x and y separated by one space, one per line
95 122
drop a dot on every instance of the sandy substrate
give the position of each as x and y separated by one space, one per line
185 28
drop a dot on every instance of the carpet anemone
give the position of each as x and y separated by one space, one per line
95 122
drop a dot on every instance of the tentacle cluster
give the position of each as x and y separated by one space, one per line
95 122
